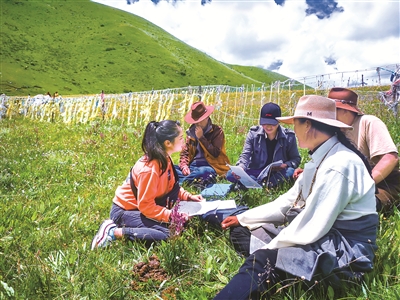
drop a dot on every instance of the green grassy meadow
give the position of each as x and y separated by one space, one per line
78 47
57 182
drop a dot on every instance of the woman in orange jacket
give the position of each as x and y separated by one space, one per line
142 205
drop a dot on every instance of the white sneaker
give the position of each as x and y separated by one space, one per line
102 239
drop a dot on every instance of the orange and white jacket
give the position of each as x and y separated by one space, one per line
151 185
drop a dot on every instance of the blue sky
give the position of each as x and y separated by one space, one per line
293 37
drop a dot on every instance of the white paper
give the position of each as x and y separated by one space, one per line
225 204
245 179
198 208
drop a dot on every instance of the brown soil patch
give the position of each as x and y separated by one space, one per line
150 270
142 272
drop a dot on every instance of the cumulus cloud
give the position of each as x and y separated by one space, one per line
298 38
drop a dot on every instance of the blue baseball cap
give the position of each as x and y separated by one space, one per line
269 112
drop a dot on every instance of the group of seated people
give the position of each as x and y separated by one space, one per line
204 155
324 224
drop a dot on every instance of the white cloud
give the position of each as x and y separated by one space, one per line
259 33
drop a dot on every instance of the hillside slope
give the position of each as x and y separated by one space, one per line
255 72
81 47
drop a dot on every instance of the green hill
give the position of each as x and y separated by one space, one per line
255 72
81 47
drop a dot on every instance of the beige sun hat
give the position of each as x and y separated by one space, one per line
316 108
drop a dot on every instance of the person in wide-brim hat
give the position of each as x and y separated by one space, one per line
198 112
316 108
331 205
345 99
204 155
373 139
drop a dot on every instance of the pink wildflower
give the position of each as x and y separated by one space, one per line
177 223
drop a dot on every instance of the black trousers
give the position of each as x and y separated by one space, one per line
240 239
257 277
240 236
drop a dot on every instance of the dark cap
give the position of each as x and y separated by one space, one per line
268 113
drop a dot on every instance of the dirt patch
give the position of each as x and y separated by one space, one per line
143 272
150 270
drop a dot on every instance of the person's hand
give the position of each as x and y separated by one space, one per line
297 173
185 170
229 222
198 131
237 177
196 198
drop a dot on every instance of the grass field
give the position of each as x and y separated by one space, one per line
56 186
80 47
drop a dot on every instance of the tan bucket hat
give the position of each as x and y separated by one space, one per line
316 108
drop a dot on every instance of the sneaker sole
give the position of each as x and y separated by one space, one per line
101 234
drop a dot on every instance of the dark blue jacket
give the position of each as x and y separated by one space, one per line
254 154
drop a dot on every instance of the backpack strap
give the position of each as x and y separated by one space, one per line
174 170
133 186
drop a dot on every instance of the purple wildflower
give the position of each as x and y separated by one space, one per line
177 223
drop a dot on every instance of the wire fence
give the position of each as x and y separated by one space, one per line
242 103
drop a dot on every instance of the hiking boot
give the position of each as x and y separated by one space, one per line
102 238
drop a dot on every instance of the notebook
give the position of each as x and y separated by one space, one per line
217 190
